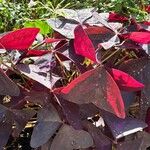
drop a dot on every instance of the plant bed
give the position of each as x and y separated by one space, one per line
87 87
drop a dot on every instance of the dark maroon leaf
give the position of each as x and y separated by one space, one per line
134 26
128 98
140 70
128 44
147 120
101 35
83 45
100 140
34 52
21 118
5 131
5 125
7 86
37 97
100 90
48 122
20 39
88 110
70 139
123 127
72 113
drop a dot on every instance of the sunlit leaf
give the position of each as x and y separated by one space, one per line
83 45
124 81
20 39
41 24
101 90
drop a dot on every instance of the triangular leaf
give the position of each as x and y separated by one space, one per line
124 81
40 71
140 69
123 127
100 140
70 139
20 39
100 90
48 123
83 45
7 86
139 37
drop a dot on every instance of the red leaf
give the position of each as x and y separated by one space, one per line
147 8
114 17
52 40
146 23
20 39
83 45
125 81
139 37
98 87
31 53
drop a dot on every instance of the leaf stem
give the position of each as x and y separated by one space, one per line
110 56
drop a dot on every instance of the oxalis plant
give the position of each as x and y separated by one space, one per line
87 87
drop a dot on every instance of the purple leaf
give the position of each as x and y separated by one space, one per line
6 122
101 35
48 122
122 127
100 140
21 118
140 69
71 112
134 144
7 86
40 71
70 139
101 90
147 120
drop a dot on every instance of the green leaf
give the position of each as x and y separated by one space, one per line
42 25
